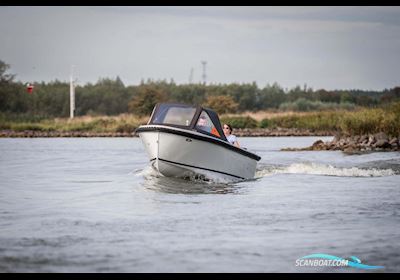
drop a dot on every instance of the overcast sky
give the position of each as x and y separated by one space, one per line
323 47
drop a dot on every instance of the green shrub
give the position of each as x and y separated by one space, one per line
26 126
265 123
81 126
22 117
361 122
5 125
240 122
322 121
305 105
126 127
319 121
370 121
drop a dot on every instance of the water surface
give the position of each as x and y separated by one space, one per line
95 205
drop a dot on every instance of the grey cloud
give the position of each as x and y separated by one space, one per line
325 47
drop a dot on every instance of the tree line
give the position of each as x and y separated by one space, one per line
111 97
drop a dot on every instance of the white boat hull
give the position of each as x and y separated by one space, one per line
175 155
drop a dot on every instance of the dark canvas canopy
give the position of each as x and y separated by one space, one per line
187 117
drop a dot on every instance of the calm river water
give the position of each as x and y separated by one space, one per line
95 205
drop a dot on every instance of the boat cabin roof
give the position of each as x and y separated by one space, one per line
190 117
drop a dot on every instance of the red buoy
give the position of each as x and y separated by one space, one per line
29 88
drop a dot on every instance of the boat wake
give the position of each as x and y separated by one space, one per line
198 184
324 170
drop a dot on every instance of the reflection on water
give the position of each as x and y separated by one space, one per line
191 185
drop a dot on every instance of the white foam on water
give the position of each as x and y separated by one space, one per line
325 170
146 172
204 178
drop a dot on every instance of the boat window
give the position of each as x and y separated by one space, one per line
175 115
204 123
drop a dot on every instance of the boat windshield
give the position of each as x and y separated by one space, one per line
205 124
174 115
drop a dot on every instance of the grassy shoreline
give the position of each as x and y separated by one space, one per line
358 122
83 124
258 132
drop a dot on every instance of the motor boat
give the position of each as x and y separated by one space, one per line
187 140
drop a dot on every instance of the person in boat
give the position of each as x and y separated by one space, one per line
202 123
229 136
206 125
